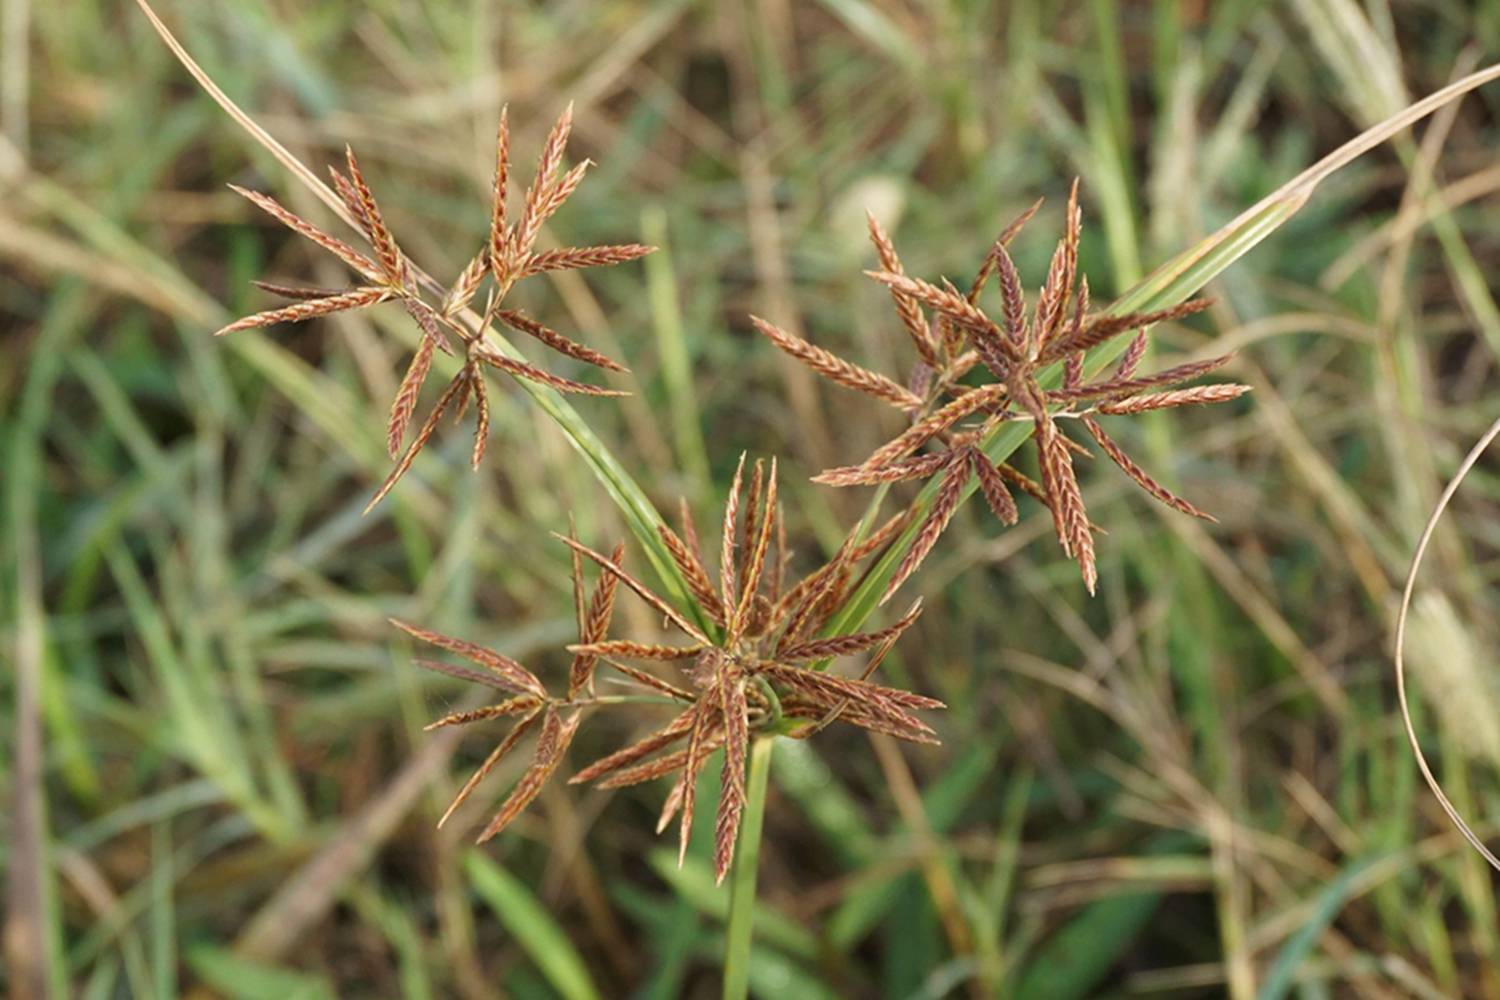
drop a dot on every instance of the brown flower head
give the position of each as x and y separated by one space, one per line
757 669
508 255
953 415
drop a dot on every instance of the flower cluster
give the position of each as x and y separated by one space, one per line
509 254
1019 353
754 666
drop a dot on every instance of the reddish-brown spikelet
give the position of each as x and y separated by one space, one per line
651 681
1198 394
919 467
572 258
406 396
728 587
732 781
1012 302
502 666
992 485
664 737
553 742
957 308
506 746
1141 477
562 345
697 752
641 590
846 645
512 706
482 416
298 293
972 401
297 312
1131 386
381 239
547 163
636 650
521 369
424 434
497 244
693 571
1103 328
938 516
992 259
1059 284
758 547
358 261
594 627
467 283
836 369
1061 484
907 307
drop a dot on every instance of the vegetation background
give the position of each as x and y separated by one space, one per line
1192 785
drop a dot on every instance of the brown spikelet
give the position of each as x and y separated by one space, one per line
659 768
572 258
482 416
467 283
881 535
1130 361
992 485
309 309
465 674
654 683
957 308
758 546
351 200
298 292
692 569
511 706
1218 393
972 401
593 626
732 781
507 670
857 715
907 307
992 259
919 467
506 746
833 688
424 434
1142 478
563 345
641 590
358 261
938 516
847 645
1102 328
836 369
1012 301
1131 386
697 752
1059 285
498 235
553 742
521 369
728 585
636 650
386 251
406 396
1061 484
427 318
536 195
664 737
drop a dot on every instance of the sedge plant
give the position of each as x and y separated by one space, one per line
754 658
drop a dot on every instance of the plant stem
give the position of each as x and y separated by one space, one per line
738 931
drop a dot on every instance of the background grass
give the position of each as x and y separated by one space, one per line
1192 785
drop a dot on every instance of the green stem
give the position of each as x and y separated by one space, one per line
737 933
